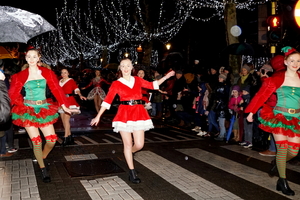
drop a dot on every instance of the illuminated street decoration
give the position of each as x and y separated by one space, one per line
218 6
105 25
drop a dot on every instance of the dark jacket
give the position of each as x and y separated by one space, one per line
219 99
4 103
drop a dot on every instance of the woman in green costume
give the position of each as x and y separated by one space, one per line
31 108
282 120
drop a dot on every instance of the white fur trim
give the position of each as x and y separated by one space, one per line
106 105
155 85
130 126
63 83
129 83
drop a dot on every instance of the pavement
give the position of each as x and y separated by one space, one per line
175 163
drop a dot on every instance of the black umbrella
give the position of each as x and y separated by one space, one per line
244 49
18 25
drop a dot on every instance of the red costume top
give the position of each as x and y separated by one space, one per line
27 115
130 118
19 79
269 86
70 87
275 121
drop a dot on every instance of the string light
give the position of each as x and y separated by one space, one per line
86 30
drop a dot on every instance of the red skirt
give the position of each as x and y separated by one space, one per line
26 116
132 118
279 123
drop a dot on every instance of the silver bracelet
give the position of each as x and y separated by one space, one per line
164 78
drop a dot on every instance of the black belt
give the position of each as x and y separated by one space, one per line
68 95
132 102
288 110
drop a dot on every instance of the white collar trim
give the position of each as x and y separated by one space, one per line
129 83
62 84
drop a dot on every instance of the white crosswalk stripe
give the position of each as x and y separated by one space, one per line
110 188
188 182
255 176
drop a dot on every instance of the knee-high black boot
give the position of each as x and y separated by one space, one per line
133 176
283 186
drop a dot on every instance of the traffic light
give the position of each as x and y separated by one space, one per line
274 22
274 28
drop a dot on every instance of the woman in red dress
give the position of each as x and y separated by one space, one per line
132 119
97 93
70 88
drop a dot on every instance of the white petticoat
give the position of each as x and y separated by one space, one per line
96 91
130 126
60 110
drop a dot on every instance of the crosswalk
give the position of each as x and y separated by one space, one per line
175 173
174 164
194 185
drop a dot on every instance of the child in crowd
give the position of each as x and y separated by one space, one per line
234 107
248 126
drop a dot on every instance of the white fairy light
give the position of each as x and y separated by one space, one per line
105 25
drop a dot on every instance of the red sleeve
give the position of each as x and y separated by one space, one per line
15 90
267 89
111 92
74 85
144 83
105 81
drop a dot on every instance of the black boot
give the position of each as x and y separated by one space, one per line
273 169
65 141
282 185
70 140
133 176
45 175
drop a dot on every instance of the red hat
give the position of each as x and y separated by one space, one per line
288 50
277 62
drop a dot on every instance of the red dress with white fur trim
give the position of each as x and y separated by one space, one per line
130 118
70 87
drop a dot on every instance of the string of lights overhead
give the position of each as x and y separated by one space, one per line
87 28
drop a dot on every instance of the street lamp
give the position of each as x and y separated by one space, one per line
168 46
139 49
